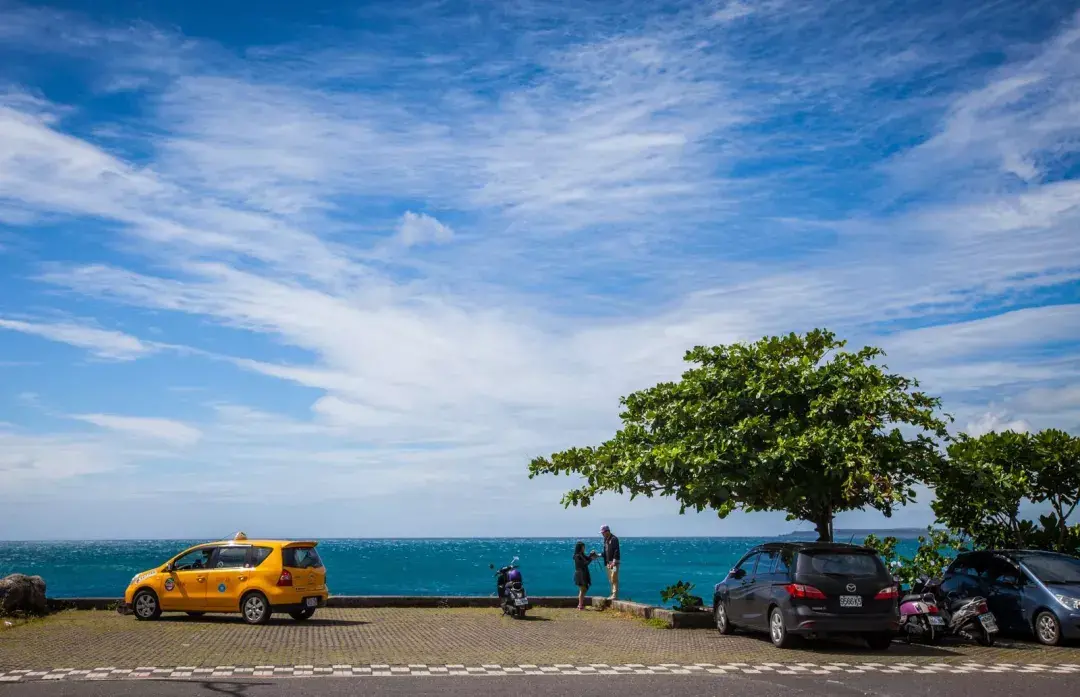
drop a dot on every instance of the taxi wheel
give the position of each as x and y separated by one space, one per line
255 608
146 605
301 615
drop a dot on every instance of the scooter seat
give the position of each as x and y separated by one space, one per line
958 603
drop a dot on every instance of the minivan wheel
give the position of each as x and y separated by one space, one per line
255 608
723 624
146 605
1047 629
778 630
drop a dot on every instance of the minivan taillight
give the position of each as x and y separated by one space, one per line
285 579
890 593
798 590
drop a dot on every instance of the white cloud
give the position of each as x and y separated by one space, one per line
996 422
1031 327
101 342
732 11
167 430
420 228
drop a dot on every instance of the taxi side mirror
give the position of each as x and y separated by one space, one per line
170 567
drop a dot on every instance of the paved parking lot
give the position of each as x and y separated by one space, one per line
469 637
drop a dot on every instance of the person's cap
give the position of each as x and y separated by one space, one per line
604 528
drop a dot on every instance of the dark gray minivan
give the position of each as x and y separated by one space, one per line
805 589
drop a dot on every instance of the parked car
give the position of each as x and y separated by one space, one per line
808 589
255 578
1029 592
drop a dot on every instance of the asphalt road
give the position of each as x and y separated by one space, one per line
972 685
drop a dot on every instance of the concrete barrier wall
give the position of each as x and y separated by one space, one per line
673 618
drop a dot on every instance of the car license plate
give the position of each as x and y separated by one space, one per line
989 622
850 601
521 601
934 619
312 602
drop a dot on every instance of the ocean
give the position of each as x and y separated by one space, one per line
446 567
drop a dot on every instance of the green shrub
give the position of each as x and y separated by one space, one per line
680 594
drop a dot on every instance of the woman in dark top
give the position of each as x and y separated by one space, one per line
582 577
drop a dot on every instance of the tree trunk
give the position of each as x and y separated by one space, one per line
823 525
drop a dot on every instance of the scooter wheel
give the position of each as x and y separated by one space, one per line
521 614
985 638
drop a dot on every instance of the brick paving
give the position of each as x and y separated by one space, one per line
98 642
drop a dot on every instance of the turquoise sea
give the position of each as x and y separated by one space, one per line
406 566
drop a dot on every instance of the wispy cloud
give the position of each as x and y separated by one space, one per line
101 342
167 430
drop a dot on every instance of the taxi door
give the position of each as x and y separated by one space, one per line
228 578
183 589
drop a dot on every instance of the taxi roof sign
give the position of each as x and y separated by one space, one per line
239 536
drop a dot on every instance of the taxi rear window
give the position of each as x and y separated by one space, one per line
301 558
259 555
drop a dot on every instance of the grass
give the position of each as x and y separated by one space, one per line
13 622
656 623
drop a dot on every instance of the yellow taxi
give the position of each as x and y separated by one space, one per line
253 577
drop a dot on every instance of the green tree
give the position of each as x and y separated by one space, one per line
789 423
987 479
1056 481
980 489
936 551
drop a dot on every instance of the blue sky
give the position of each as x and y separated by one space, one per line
342 269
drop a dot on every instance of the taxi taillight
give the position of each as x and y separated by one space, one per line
285 579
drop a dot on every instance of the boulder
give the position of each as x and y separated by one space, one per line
22 595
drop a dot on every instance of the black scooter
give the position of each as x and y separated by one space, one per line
511 590
968 618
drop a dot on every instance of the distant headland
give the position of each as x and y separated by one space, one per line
854 534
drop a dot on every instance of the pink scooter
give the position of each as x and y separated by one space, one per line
919 616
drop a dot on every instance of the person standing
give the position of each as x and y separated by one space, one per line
582 577
612 560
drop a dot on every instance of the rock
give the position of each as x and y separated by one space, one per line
21 594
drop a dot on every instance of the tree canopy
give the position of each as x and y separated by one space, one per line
986 480
789 423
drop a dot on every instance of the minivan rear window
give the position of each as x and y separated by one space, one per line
301 558
835 563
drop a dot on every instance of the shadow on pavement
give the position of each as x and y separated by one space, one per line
231 688
274 621
853 647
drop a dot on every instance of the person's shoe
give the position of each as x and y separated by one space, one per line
580 607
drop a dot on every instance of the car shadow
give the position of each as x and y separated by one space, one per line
843 646
274 621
